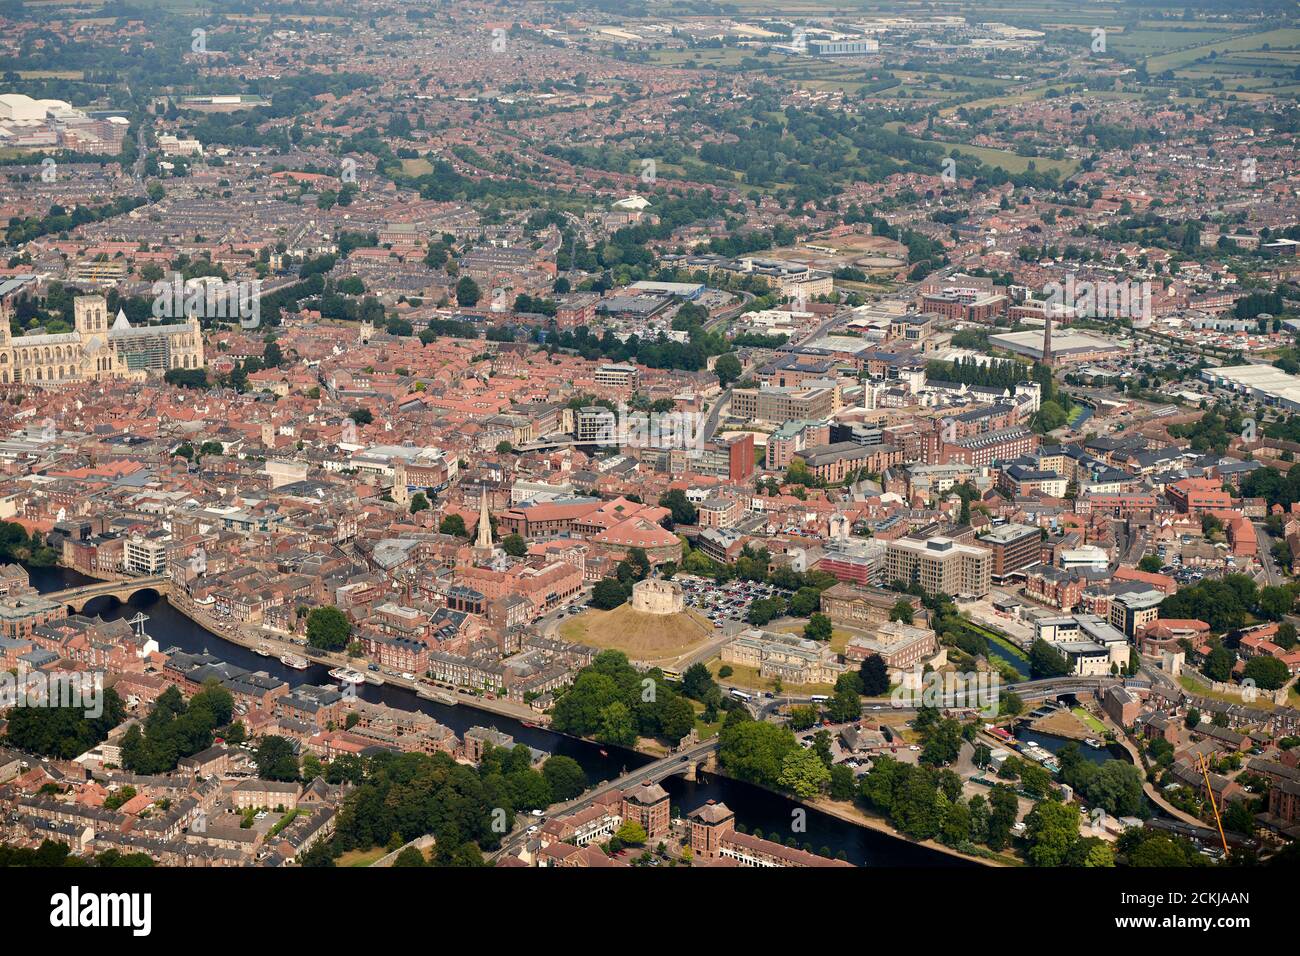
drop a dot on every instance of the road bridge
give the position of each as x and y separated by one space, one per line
78 597
686 761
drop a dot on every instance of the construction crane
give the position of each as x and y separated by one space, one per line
1205 771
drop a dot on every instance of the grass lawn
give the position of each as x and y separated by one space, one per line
416 167
705 728
1011 162
1092 722
839 637
1193 686
643 637
361 857
748 677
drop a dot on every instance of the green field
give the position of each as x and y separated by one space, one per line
1284 37
361 857
1011 162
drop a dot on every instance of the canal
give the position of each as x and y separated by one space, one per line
755 807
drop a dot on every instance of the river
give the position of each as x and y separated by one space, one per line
755 807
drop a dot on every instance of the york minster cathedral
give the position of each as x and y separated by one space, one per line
98 349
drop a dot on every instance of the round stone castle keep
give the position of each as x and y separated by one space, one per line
652 596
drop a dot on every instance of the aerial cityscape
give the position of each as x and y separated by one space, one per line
589 434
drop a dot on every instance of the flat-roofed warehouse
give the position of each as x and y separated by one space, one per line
1264 383
1066 346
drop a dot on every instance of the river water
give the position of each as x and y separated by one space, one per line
755 807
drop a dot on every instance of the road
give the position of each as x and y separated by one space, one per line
1271 573
715 414
1029 691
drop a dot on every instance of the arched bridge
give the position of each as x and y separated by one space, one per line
77 598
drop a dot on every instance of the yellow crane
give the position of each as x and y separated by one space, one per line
1205 771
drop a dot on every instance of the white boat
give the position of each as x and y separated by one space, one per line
296 662
262 650
345 675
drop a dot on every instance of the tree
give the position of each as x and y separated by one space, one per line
727 367
328 628
1046 661
275 759
845 704
419 502
608 594
1012 704
874 676
698 683
1003 810
942 743
566 777
1275 602
956 824
617 725
818 628
1052 830
1117 788
1218 663
1092 852
754 751
63 732
805 602
901 611
409 857
453 524
467 292
1267 672
843 786
514 545
803 716
1150 563
803 773
632 833
683 512
764 610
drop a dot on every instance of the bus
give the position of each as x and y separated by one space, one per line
741 695
819 698
674 676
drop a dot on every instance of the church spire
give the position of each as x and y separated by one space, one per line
484 523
